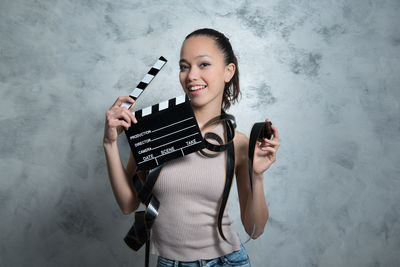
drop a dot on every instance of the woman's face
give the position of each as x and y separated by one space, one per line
203 72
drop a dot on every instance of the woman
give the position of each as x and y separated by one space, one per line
189 188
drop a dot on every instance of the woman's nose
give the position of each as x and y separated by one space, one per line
193 74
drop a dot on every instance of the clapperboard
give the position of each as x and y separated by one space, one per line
165 131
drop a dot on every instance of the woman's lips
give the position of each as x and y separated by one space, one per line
195 90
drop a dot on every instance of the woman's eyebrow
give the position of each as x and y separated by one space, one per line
183 61
199 56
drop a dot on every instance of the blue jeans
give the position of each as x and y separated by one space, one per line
237 259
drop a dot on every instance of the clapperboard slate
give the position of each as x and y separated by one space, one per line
164 131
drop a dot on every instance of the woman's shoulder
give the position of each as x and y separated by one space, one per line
240 138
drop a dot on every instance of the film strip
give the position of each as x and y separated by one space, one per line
165 131
146 80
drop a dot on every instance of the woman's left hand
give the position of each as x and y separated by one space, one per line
265 152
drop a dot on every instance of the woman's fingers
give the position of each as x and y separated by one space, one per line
123 99
271 142
129 114
133 118
129 111
276 133
265 151
268 149
120 117
120 122
268 143
125 116
119 112
267 146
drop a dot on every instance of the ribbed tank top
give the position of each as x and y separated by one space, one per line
190 192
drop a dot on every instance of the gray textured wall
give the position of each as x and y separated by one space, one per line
325 72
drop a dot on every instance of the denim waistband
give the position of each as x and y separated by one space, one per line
236 258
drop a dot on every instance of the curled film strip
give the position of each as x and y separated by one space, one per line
139 233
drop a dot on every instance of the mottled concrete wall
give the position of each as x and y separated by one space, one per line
325 72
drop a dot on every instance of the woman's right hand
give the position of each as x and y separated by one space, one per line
118 117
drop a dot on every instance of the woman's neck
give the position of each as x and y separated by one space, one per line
204 114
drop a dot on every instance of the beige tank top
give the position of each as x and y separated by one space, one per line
190 191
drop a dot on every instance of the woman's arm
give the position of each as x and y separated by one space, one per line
253 207
120 178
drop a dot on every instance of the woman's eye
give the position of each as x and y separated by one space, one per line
204 65
183 67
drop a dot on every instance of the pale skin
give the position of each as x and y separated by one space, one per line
203 74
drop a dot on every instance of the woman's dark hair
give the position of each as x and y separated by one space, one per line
232 89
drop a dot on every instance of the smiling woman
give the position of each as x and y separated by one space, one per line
211 48
192 227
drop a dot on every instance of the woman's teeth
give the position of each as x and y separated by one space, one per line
195 88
